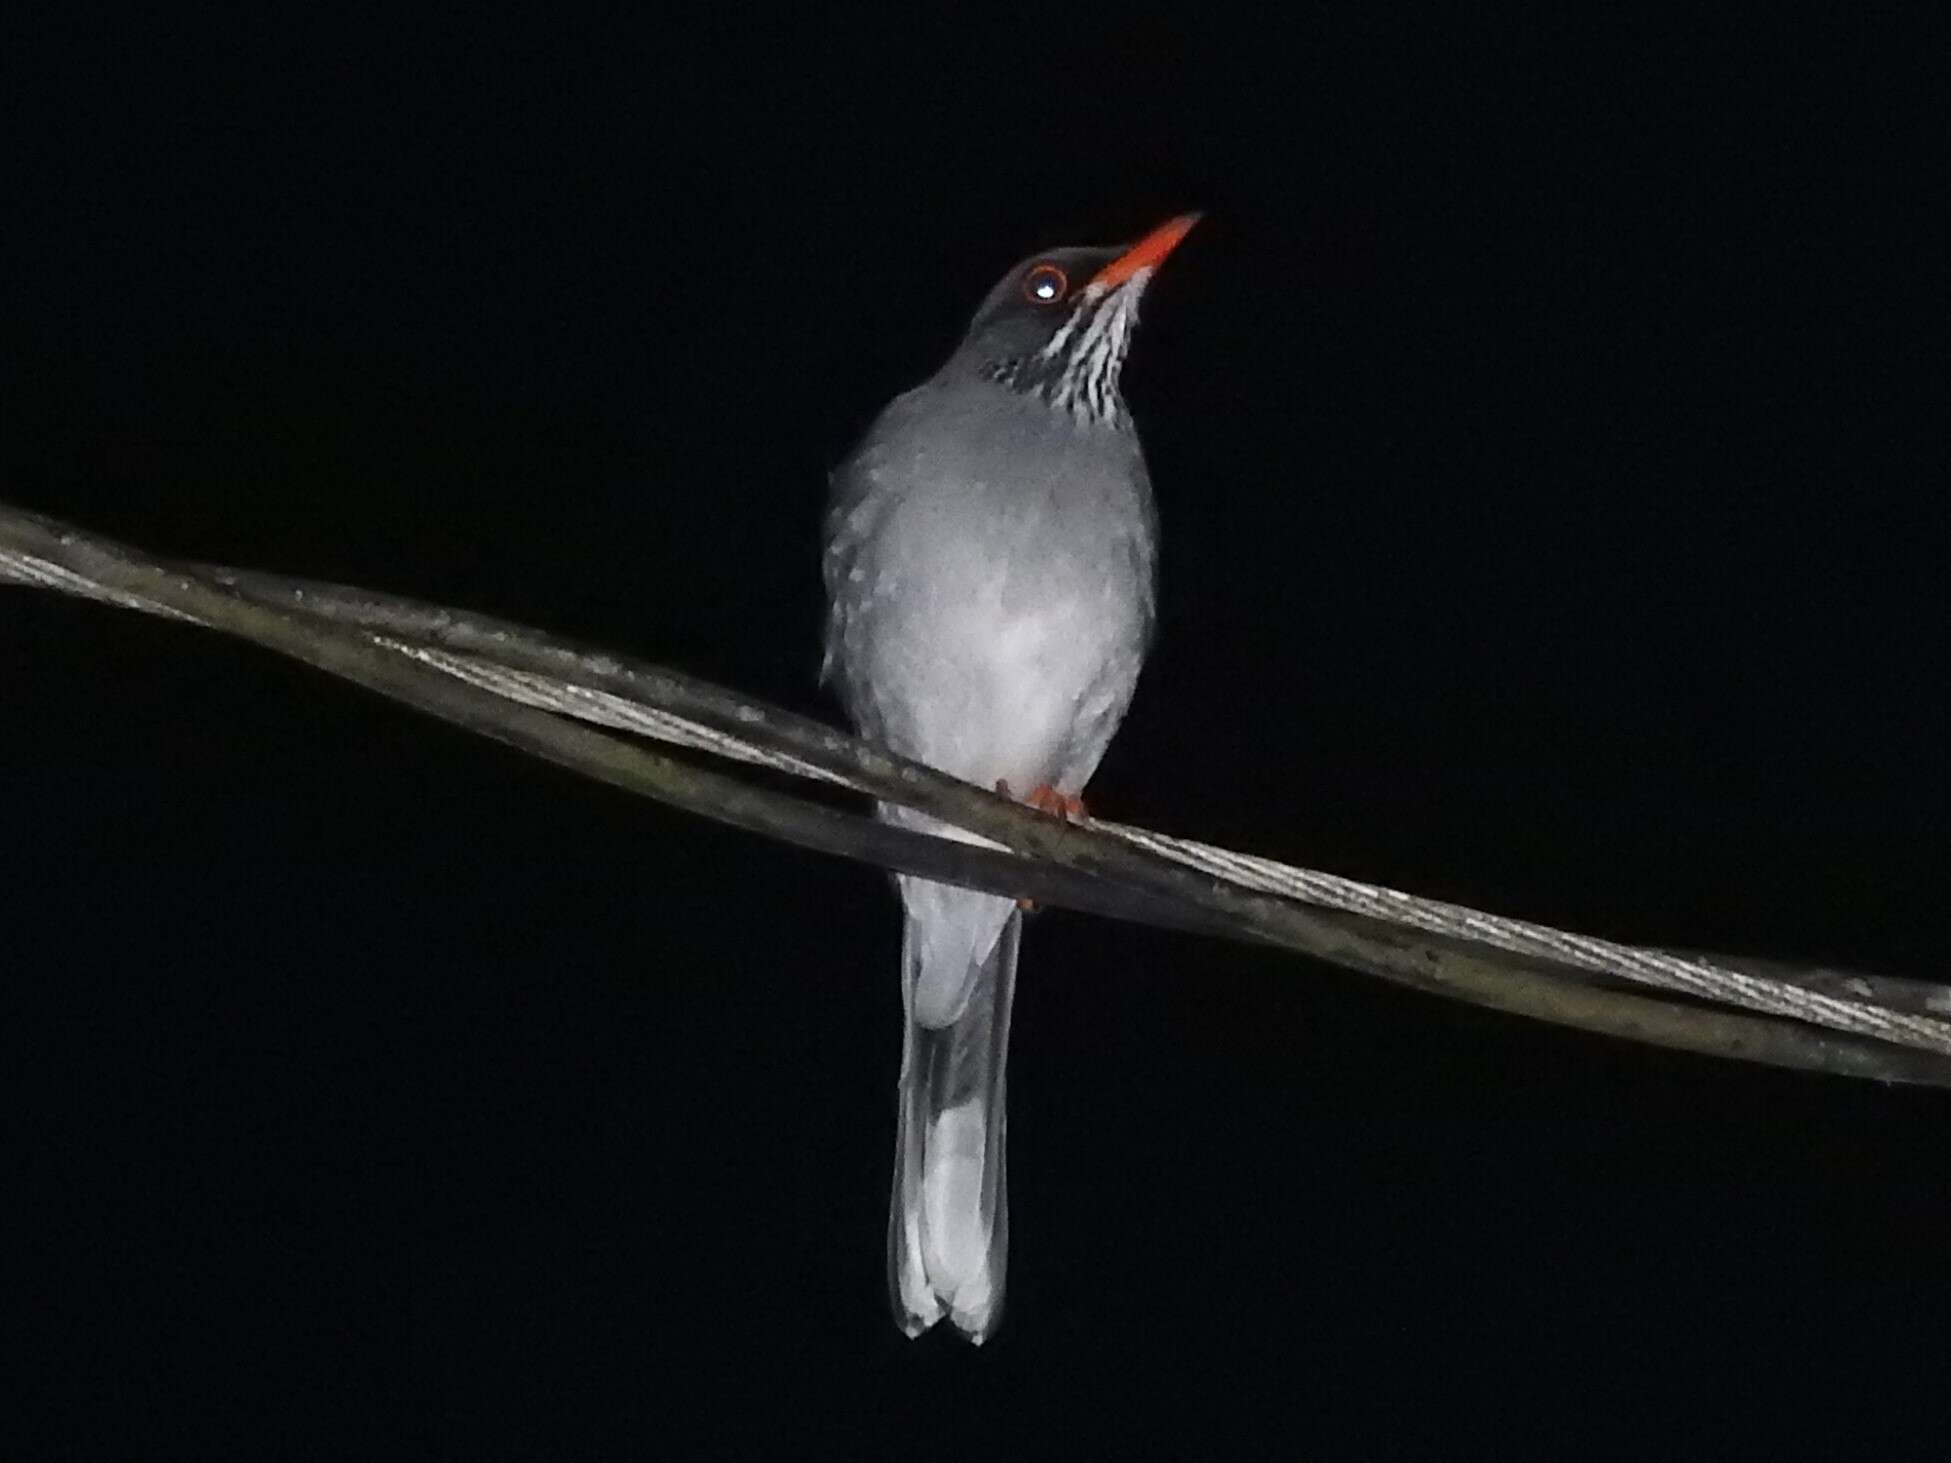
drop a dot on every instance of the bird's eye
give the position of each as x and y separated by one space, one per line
1045 284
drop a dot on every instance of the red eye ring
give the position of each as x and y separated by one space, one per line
1045 284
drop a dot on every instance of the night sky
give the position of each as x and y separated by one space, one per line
1548 524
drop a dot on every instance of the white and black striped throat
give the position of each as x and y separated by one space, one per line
1077 371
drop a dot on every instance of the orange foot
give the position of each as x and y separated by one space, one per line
1046 799
1064 805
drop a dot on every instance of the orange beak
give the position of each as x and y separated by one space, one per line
1148 253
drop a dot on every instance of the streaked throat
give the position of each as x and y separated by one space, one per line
1077 371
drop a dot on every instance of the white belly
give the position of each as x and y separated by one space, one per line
990 682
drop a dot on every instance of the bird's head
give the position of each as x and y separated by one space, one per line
1057 326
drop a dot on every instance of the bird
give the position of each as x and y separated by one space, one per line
990 553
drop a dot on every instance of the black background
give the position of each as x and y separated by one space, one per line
1548 525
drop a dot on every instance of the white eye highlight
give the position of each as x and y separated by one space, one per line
1045 284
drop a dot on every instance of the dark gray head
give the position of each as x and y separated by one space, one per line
1057 325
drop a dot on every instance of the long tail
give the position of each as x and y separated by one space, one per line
948 1227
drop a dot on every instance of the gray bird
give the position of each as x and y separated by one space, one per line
989 562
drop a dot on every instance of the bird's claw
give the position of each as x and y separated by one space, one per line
1067 807
1046 799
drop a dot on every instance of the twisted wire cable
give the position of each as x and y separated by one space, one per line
515 665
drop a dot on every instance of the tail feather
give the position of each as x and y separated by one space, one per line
948 1225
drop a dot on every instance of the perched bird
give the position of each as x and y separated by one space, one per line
989 562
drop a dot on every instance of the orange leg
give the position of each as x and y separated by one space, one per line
1064 805
1046 799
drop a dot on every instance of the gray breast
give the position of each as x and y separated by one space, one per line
990 564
